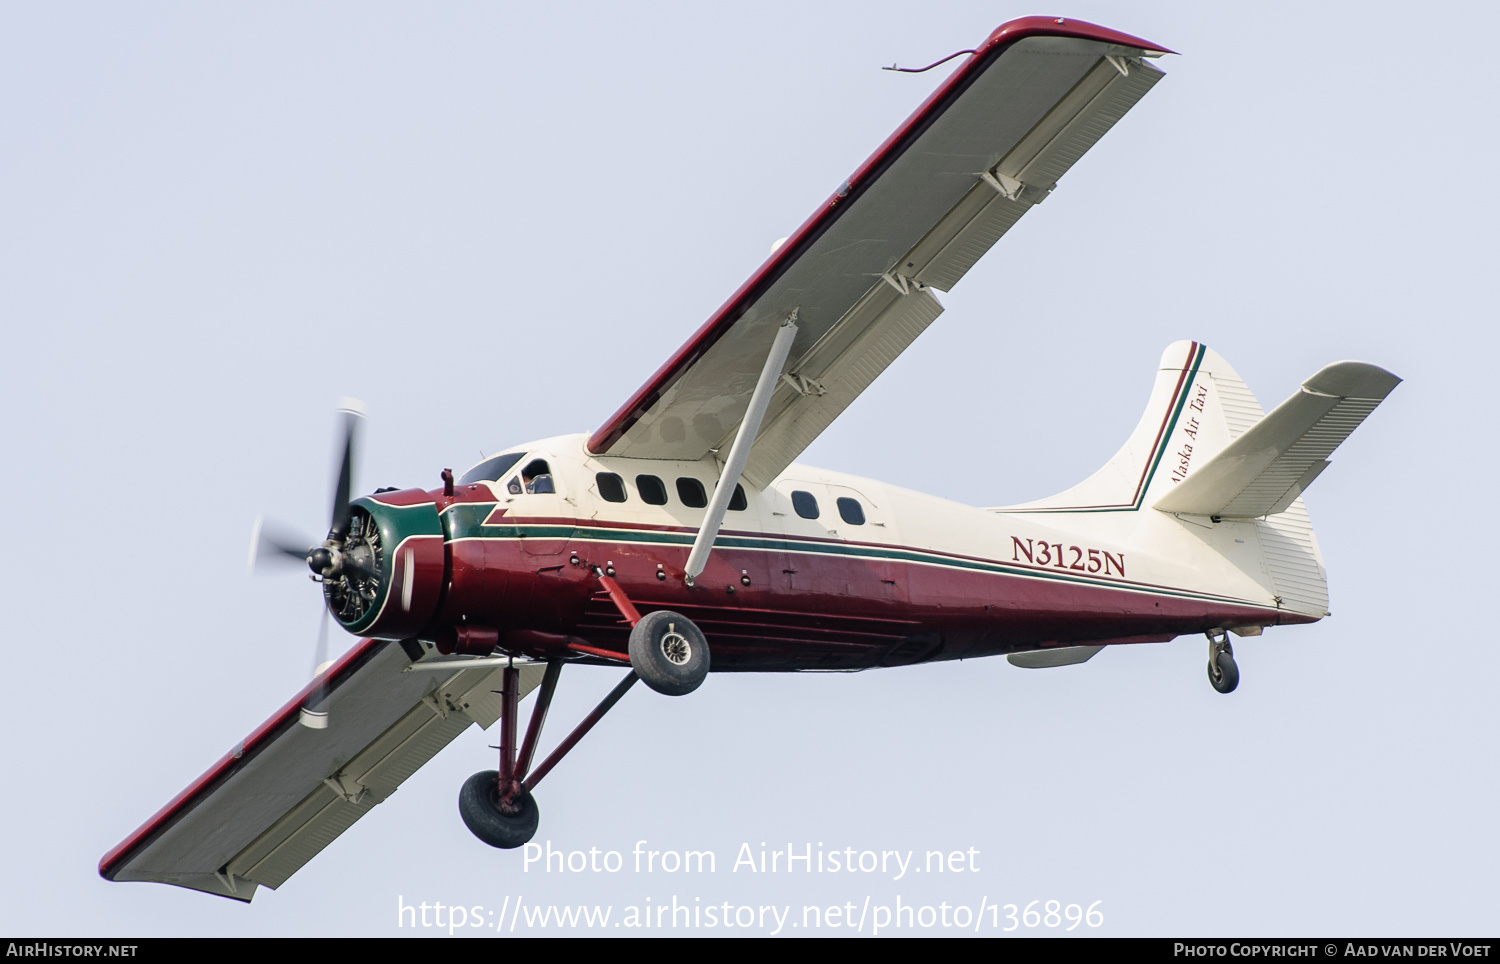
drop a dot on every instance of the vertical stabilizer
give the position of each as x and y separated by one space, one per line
1198 405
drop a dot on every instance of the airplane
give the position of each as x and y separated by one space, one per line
682 537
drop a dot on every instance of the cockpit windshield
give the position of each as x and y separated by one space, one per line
491 468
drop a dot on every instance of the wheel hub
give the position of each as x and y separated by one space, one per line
675 647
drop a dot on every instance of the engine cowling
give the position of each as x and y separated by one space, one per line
391 576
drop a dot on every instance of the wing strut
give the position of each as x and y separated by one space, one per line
740 450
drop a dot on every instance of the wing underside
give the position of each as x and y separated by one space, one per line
861 273
288 791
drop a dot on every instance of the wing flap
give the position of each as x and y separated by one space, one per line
832 374
965 235
295 839
1264 470
288 791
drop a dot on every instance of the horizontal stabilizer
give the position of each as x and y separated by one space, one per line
1264 470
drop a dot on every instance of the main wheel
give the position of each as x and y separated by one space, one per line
1224 673
669 653
479 805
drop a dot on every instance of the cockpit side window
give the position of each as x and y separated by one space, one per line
491 469
737 501
537 477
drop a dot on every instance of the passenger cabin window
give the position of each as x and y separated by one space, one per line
491 469
851 511
805 503
690 491
537 478
651 489
737 501
611 487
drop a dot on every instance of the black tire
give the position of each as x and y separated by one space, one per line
1226 676
479 805
669 653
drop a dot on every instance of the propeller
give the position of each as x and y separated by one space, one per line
314 713
271 545
274 545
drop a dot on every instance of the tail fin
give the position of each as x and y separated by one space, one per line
1205 447
1198 405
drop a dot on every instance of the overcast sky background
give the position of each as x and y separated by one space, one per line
492 223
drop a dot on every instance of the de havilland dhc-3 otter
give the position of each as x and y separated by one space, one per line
681 537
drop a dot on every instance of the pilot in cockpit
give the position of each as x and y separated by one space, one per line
537 478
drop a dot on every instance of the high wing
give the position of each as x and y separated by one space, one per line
281 796
991 142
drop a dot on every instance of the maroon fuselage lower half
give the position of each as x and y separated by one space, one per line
765 602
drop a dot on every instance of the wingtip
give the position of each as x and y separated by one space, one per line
1353 379
1070 27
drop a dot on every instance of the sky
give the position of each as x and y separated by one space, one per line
492 223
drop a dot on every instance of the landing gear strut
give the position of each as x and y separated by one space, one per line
666 650
1223 672
497 805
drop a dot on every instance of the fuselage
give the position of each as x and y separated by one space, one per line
818 570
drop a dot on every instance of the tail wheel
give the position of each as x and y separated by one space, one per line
1223 672
669 653
479 805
